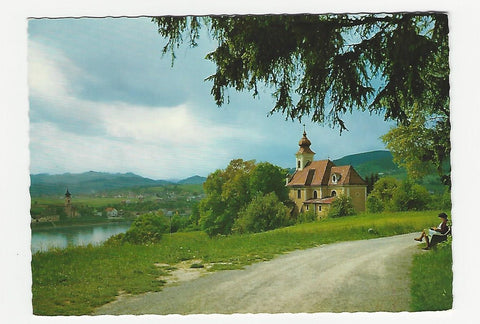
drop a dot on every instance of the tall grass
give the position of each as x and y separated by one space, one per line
432 279
76 280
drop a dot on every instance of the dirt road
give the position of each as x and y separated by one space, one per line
370 275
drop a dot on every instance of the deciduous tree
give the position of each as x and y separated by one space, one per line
263 213
266 178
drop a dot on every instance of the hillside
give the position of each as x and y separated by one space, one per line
380 162
193 180
87 183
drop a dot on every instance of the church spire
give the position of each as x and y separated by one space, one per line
305 154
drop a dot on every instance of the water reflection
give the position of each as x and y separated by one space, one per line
43 240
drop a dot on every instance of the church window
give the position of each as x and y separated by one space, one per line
307 207
334 193
315 195
299 194
320 208
298 164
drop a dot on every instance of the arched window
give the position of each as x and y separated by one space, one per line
315 195
334 193
299 194
298 164
319 207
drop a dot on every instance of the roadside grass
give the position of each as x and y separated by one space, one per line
76 280
432 277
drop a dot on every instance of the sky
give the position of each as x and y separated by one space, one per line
103 98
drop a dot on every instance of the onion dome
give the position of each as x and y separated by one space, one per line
304 144
304 141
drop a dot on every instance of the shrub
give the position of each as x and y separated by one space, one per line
307 217
374 204
147 228
115 240
441 201
410 196
342 206
262 214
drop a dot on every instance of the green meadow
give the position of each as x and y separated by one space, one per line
76 280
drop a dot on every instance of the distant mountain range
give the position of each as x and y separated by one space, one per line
367 163
94 182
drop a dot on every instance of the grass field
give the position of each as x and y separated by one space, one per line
432 279
76 280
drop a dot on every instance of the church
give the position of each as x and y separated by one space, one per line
316 184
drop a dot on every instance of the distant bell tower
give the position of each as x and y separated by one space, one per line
305 154
68 204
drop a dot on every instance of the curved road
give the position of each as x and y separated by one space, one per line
368 276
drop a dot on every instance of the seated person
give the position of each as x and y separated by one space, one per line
441 229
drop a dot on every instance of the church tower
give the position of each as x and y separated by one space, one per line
68 204
305 154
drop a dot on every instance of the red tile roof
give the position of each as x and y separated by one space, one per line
319 173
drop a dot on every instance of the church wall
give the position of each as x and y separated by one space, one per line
358 194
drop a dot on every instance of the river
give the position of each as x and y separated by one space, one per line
45 239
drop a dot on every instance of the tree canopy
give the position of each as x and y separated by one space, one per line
325 66
231 190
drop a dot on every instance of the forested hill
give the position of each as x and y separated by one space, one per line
94 182
88 182
380 162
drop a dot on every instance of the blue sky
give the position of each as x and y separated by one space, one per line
102 98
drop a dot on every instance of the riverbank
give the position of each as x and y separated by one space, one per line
65 225
75 281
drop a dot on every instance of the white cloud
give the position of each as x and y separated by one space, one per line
48 69
174 125
55 151
70 134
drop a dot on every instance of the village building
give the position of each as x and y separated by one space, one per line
112 213
316 184
69 208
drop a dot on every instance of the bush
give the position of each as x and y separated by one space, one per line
374 204
307 217
147 228
441 201
389 194
342 206
410 196
115 240
262 214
